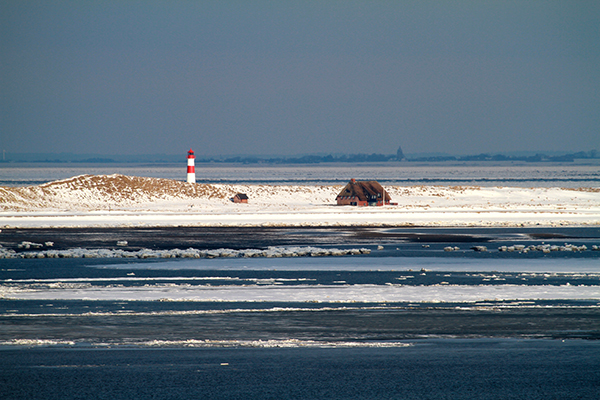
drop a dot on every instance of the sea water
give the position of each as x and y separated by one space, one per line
400 174
304 327
433 369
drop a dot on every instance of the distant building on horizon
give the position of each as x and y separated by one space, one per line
364 193
400 154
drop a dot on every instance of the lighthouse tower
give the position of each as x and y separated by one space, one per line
191 170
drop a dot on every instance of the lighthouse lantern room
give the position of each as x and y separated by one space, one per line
191 171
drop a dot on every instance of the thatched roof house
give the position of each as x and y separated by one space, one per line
365 193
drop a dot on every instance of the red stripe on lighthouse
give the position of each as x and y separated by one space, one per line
191 169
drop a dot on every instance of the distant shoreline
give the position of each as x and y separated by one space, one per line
221 164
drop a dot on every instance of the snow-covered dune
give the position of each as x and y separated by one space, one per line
112 200
103 192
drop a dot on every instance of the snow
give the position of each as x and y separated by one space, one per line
118 200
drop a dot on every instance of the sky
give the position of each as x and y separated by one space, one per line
299 77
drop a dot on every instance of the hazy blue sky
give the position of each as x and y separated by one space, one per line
292 77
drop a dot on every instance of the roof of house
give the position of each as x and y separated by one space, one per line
241 196
364 190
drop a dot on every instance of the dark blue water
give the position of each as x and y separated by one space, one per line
105 272
429 369
277 348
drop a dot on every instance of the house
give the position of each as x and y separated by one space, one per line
365 193
240 198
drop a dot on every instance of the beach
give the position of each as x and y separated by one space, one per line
119 200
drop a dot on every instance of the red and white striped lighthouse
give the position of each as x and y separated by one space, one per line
191 170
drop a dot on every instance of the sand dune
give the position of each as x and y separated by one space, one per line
124 200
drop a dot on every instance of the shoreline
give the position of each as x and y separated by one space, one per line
385 219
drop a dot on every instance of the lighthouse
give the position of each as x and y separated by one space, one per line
191 170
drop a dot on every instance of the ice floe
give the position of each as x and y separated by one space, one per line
297 293
545 248
199 343
270 252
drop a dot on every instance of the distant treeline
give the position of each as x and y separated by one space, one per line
306 159
360 158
